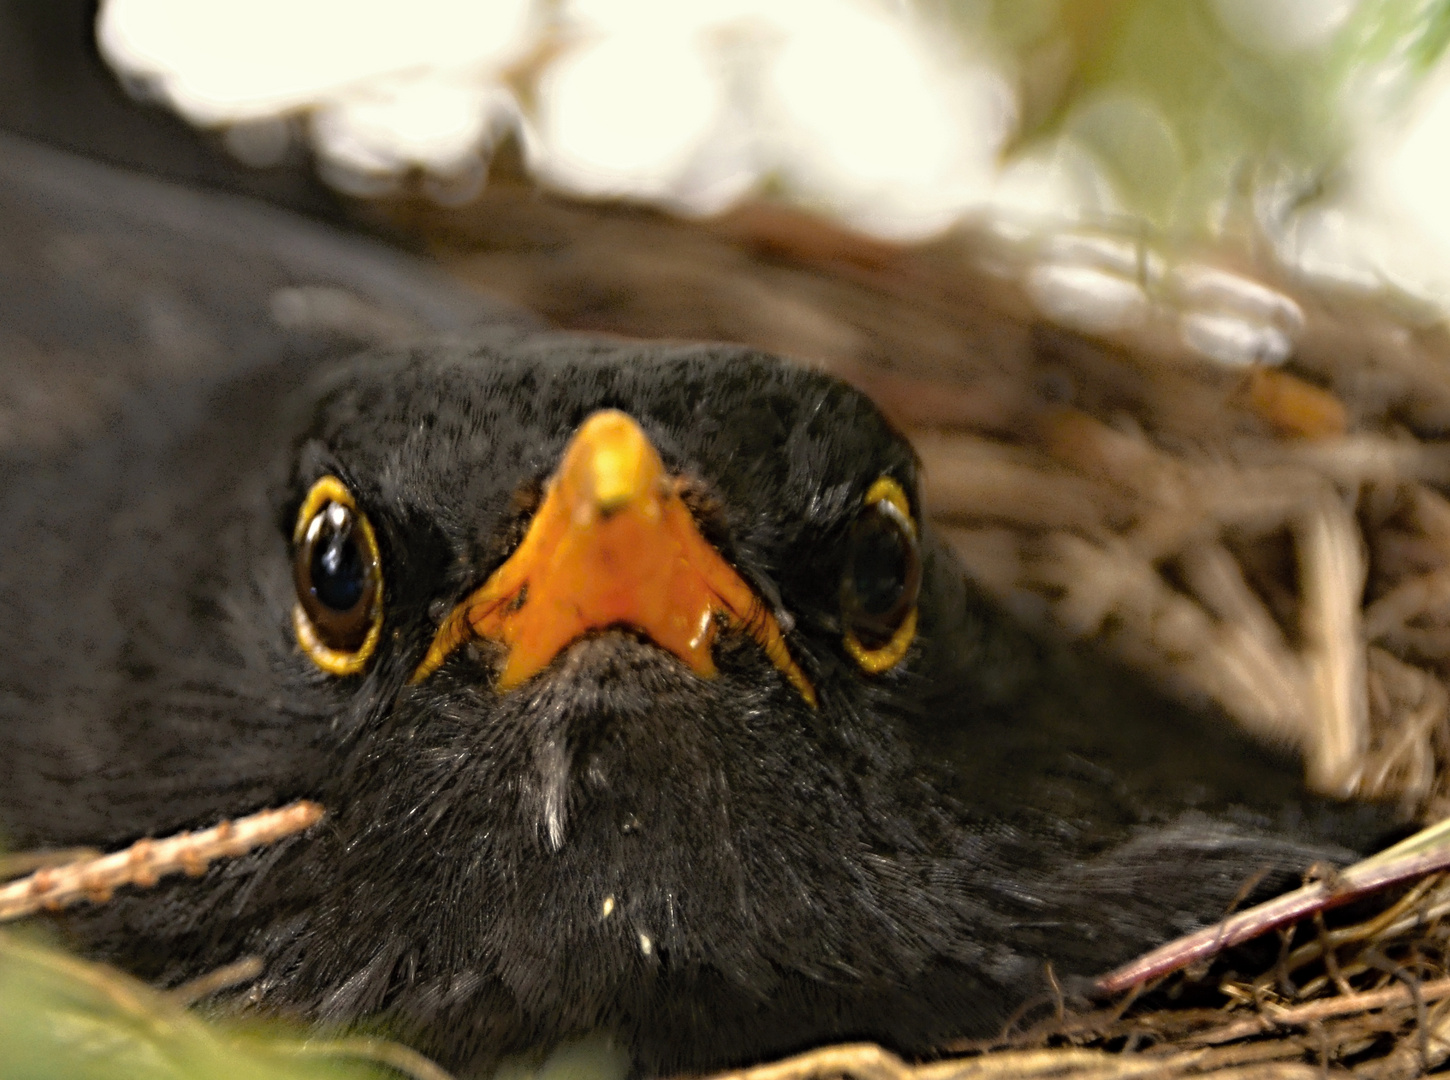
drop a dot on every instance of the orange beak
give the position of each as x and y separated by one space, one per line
612 545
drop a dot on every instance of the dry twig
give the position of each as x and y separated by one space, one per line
147 861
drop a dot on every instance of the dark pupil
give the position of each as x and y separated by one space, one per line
878 565
338 575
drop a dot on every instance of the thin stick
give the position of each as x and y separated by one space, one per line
864 1060
214 982
1275 1019
147 861
1353 883
27 862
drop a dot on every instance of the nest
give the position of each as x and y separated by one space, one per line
1272 539
1370 998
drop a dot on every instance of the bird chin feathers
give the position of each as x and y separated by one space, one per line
597 696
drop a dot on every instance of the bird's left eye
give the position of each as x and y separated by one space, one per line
335 566
882 579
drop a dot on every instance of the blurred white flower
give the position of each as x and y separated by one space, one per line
627 113
1387 224
881 114
845 103
388 85
893 135
1056 181
855 107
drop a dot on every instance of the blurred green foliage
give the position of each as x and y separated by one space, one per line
1190 106
64 1019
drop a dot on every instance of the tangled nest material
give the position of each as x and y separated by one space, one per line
1369 997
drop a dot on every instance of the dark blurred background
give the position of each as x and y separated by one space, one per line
55 87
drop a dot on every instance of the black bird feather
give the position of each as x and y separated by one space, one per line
710 870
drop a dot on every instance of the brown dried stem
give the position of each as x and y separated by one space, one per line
1351 884
147 861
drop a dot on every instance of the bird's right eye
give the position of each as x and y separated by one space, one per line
882 579
336 569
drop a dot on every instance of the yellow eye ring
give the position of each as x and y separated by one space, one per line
882 580
338 616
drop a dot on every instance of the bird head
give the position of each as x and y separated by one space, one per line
618 642
564 541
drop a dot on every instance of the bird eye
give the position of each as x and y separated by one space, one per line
882 579
338 617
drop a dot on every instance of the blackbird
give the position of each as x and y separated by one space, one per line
640 694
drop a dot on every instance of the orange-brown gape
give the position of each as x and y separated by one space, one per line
613 544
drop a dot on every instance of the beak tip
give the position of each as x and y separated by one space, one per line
648 568
616 460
